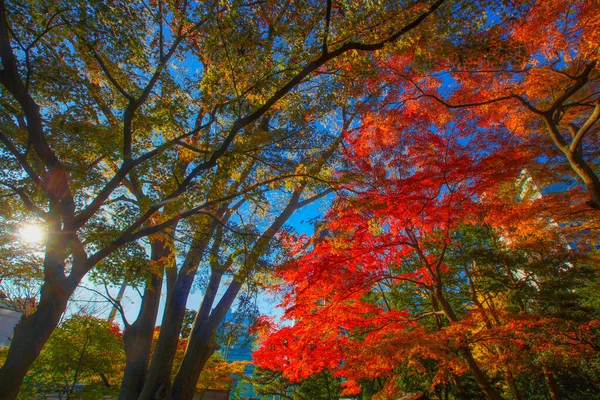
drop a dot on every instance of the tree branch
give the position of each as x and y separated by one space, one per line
108 74
241 123
22 161
586 127
582 79
26 200
327 24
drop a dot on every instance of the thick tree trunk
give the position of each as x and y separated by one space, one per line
201 346
158 379
201 339
138 340
184 384
138 336
31 334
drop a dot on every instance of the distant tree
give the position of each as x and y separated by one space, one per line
188 321
219 374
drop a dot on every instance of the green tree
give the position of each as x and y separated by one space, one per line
83 350
188 321
322 386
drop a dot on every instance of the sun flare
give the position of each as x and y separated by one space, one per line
31 233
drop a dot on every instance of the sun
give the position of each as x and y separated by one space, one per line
32 233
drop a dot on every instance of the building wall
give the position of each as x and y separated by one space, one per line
8 319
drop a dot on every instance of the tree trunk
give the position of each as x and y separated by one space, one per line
201 339
552 386
586 173
478 375
512 384
158 379
201 346
198 349
30 335
185 381
465 352
574 155
138 340
138 336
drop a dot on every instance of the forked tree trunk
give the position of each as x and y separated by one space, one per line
202 345
203 349
138 336
138 340
158 380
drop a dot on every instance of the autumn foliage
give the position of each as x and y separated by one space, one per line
423 260
167 147
463 250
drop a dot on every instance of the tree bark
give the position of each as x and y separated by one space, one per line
203 349
158 379
480 378
30 335
478 375
202 335
201 346
587 174
552 386
138 340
